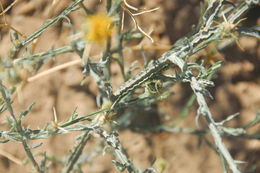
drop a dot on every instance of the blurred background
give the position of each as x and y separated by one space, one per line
237 89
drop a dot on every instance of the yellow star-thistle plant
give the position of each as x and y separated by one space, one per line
99 28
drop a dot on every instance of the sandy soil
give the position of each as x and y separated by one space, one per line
237 90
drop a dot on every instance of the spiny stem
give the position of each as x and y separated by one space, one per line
72 160
49 23
18 127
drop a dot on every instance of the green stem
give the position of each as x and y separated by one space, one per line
18 127
49 23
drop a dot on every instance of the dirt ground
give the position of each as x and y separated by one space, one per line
237 90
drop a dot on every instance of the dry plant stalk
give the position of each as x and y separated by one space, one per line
215 25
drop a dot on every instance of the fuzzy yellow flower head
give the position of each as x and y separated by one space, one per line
99 28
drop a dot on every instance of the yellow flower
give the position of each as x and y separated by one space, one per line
99 28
